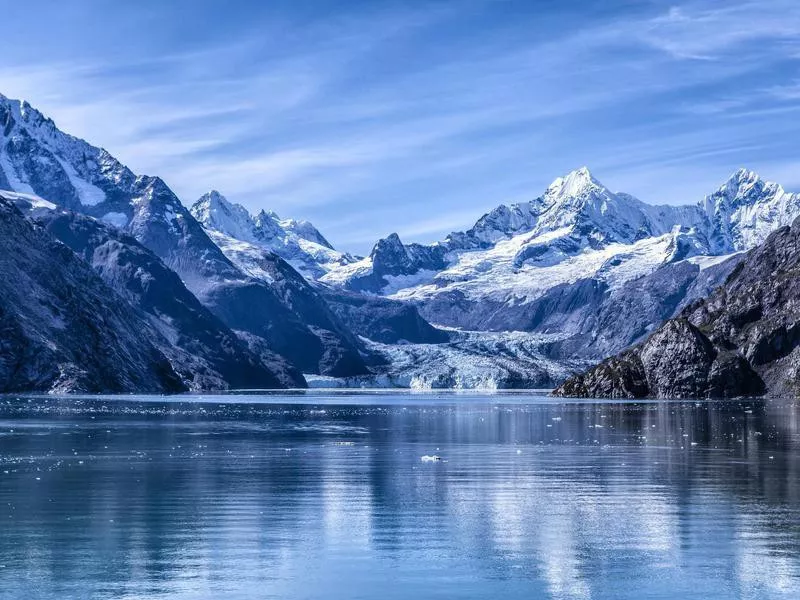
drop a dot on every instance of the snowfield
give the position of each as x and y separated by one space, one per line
492 274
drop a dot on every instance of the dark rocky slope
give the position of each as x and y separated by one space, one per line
382 319
62 328
309 333
207 354
744 339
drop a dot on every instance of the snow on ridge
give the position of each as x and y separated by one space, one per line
66 162
32 199
312 257
578 229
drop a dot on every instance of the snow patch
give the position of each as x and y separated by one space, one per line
11 175
88 193
32 199
116 219
248 257
704 262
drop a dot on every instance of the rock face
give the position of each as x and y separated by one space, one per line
64 329
742 340
320 342
309 333
390 259
207 354
381 319
36 158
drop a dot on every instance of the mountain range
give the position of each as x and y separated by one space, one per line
214 297
591 270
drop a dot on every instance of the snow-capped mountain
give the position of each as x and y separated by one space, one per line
568 259
577 204
297 242
36 158
576 229
570 232
744 211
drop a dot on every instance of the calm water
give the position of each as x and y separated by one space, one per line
314 496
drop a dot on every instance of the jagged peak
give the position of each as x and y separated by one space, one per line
211 199
391 243
24 111
393 238
213 195
268 214
746 186
741 177
574 183
214 211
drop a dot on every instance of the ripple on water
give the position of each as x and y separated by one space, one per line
327 497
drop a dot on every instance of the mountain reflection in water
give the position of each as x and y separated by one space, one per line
327 497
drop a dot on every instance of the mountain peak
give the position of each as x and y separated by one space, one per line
390 241
268 214
211 199
388 249
743 176
213 194
215 211
574 183
22 110
745 186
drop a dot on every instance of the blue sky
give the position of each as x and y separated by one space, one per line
416 117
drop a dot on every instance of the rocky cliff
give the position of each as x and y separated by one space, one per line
744 339
62 328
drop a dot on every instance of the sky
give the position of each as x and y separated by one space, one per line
416 117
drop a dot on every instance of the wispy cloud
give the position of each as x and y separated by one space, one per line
418 118
707 31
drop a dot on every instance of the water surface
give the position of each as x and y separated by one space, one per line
327 496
